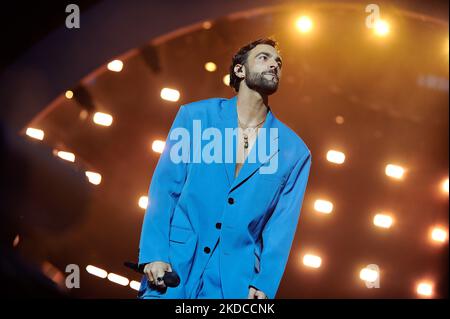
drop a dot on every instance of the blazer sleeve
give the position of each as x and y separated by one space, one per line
165 188
279 231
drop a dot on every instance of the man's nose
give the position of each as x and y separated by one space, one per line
274 66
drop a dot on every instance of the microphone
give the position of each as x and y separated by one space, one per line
171 279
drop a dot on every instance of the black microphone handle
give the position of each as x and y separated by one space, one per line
171 279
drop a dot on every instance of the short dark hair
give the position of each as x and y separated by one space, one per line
241 58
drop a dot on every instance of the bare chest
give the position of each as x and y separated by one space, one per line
246 140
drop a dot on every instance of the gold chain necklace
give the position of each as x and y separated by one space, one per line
247 127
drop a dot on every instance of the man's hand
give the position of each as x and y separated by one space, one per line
155 272
254 293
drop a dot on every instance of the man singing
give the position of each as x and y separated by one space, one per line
223 215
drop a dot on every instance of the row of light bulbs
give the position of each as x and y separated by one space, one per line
115 278
366 274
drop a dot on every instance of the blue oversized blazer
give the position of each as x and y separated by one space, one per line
255 216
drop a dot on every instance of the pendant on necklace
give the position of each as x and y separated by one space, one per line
245 141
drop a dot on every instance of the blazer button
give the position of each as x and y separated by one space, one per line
219 225
231 200
207 250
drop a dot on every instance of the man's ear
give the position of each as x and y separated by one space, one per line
239 71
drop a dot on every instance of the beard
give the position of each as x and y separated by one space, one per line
261 83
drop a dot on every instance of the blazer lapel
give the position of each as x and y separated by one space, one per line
228 119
